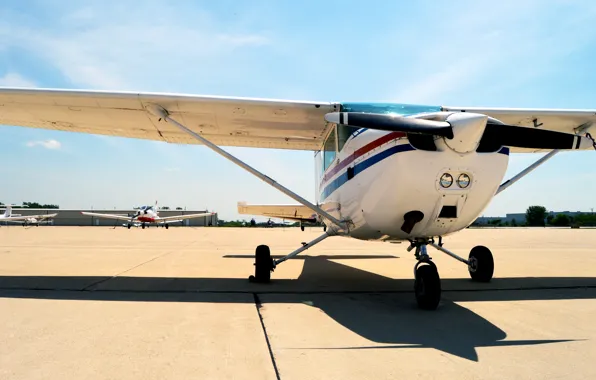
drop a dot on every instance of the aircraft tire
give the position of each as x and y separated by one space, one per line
166 226
301 228
427 287
482 265
263 265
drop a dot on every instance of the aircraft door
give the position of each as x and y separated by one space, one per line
346 150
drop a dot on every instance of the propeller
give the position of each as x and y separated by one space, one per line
383 122
524 137
478 129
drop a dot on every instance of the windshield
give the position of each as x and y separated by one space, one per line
388 108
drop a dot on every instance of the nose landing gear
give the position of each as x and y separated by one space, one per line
427 283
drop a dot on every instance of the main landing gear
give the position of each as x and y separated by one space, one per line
264 263
427 283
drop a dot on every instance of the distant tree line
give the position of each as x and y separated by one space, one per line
538 216
33 205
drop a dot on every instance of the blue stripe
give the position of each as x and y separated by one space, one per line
362 166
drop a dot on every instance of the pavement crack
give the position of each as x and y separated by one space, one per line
258 305
90 286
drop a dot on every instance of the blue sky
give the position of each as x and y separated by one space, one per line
496 54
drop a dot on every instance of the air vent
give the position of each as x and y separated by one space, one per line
422 142
448 212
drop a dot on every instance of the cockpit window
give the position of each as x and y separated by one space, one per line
329 150
343 134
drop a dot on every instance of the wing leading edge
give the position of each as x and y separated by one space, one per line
25 217
179 218
225 121
571 121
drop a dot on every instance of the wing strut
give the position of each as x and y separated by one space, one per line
582 128
162 113
527 170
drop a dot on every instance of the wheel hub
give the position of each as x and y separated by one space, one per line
473 264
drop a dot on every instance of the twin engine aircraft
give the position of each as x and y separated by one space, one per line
147 215
33 220
385 171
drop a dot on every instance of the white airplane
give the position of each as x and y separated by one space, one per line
146 215
385 172
26 220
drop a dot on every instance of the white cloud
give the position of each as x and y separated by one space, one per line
48 144
484 50
15 80
123 46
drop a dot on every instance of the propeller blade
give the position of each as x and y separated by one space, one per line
532 138
391 123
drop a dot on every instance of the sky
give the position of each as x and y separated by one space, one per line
531 54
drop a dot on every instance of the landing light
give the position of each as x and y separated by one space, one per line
446 180
463 181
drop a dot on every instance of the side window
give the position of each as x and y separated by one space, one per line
343 134
329 150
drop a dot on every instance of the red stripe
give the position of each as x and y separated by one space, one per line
362 151
146 219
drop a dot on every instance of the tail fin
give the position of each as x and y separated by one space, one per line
8 211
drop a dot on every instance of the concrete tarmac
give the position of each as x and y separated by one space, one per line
104 303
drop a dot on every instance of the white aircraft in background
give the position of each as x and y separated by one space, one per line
385 172
147 215
26 220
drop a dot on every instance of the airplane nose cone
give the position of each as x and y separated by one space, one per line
468 129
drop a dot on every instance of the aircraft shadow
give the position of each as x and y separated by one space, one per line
383 313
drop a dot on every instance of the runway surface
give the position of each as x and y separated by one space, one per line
103 303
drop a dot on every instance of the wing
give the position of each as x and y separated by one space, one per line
290 212
179 218
14 218
560 120
44 216
225 121
20 218
107 216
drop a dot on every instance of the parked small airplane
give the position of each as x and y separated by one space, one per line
147 215
34 220
385 172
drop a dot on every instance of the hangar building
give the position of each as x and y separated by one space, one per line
75 218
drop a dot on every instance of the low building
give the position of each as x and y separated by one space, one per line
75 218
520 218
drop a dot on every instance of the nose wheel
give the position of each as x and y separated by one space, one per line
427 283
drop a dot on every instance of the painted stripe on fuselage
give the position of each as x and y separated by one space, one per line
360 167
362 151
